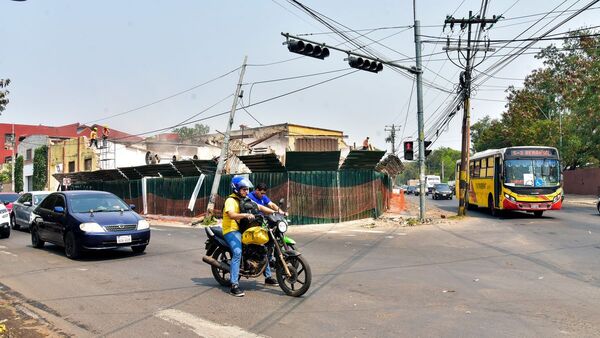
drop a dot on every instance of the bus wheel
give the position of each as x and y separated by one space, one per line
538 213
491 206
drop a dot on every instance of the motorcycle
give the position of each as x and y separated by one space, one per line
291 268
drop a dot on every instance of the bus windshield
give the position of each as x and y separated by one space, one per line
532 172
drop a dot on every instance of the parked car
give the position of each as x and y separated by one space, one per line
4 222
597 205
22 209
88 220
441 190
8 198
411 189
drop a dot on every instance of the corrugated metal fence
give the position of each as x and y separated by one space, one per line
309 196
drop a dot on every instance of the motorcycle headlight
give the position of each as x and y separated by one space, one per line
143 224
282 226
510 198
91 227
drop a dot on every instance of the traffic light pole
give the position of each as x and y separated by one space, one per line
224 150
421 139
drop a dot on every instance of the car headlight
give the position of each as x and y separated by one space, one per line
5 215
143 224
282 226
91 227
32 217
556 198
510 198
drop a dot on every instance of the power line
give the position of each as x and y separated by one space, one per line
165 98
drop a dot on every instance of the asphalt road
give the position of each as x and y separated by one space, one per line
481 276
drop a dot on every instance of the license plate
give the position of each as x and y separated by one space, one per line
535 206
123 239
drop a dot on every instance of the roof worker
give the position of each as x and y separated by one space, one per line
94 137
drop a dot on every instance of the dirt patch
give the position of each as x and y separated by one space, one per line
17 321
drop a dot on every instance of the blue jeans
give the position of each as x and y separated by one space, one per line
234 240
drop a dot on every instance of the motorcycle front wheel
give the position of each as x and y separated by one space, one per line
299 282
222 276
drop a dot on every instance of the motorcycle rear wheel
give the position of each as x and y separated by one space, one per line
299 282
222 277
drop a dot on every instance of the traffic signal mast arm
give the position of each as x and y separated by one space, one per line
412 70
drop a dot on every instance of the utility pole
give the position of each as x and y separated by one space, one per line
13 141
392 138
442 170
465 82
224 150
421 131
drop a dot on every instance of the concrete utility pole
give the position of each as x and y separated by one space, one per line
392 138
224 149
421 138
13 141
465 82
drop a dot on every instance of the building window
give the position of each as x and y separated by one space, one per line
87 164
72 166
8 138
28 154
8 159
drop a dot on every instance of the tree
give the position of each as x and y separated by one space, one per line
442 156
6 173
190 134
410 172
4 94
19 174
40 168
558 105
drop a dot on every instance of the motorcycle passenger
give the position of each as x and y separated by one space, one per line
259 196
232 215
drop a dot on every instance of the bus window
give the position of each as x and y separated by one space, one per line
490 169
477 167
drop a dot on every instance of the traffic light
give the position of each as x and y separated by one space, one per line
427 144
365 64
408 150
308 49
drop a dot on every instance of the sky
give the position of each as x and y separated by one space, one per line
86 61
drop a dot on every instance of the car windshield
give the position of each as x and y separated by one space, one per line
38 198
532 173
8 198
442 187
96 203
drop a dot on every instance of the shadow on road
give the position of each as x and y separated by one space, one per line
92 255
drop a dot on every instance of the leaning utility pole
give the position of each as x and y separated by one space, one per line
421 131
465 82
392 138
225 148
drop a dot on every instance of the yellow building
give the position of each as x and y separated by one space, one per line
69 156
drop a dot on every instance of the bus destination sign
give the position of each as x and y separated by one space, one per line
531 153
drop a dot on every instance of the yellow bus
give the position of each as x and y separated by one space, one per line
515 178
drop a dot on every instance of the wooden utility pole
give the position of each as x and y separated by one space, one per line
224 150
465 82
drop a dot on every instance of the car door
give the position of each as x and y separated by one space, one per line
20 209
57 220
17 207
44 215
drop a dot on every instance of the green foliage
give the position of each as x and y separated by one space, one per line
19 174
189 134
410 172
6 173
40 168
4 94
559 98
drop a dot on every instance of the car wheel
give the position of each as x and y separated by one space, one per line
72 247
13 222
36 241
138 248
5 233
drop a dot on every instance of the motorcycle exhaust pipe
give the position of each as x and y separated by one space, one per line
215 263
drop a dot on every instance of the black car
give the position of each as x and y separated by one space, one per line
88 220
412 190
441 190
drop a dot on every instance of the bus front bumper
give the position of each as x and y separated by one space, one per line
531 206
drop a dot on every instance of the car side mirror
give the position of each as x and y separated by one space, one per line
132 206
27 203
59 210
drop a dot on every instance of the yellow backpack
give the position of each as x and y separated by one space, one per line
255 235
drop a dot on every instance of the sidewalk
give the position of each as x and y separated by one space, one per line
580 199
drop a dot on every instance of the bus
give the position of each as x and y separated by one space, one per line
430 181
526 178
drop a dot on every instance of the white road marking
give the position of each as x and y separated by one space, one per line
202 327
366 230
8 253
2 247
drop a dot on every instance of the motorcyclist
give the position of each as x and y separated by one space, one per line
259 196
232 215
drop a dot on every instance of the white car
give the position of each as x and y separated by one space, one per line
4 222
22 210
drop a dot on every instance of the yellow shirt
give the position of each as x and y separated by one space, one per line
231 204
